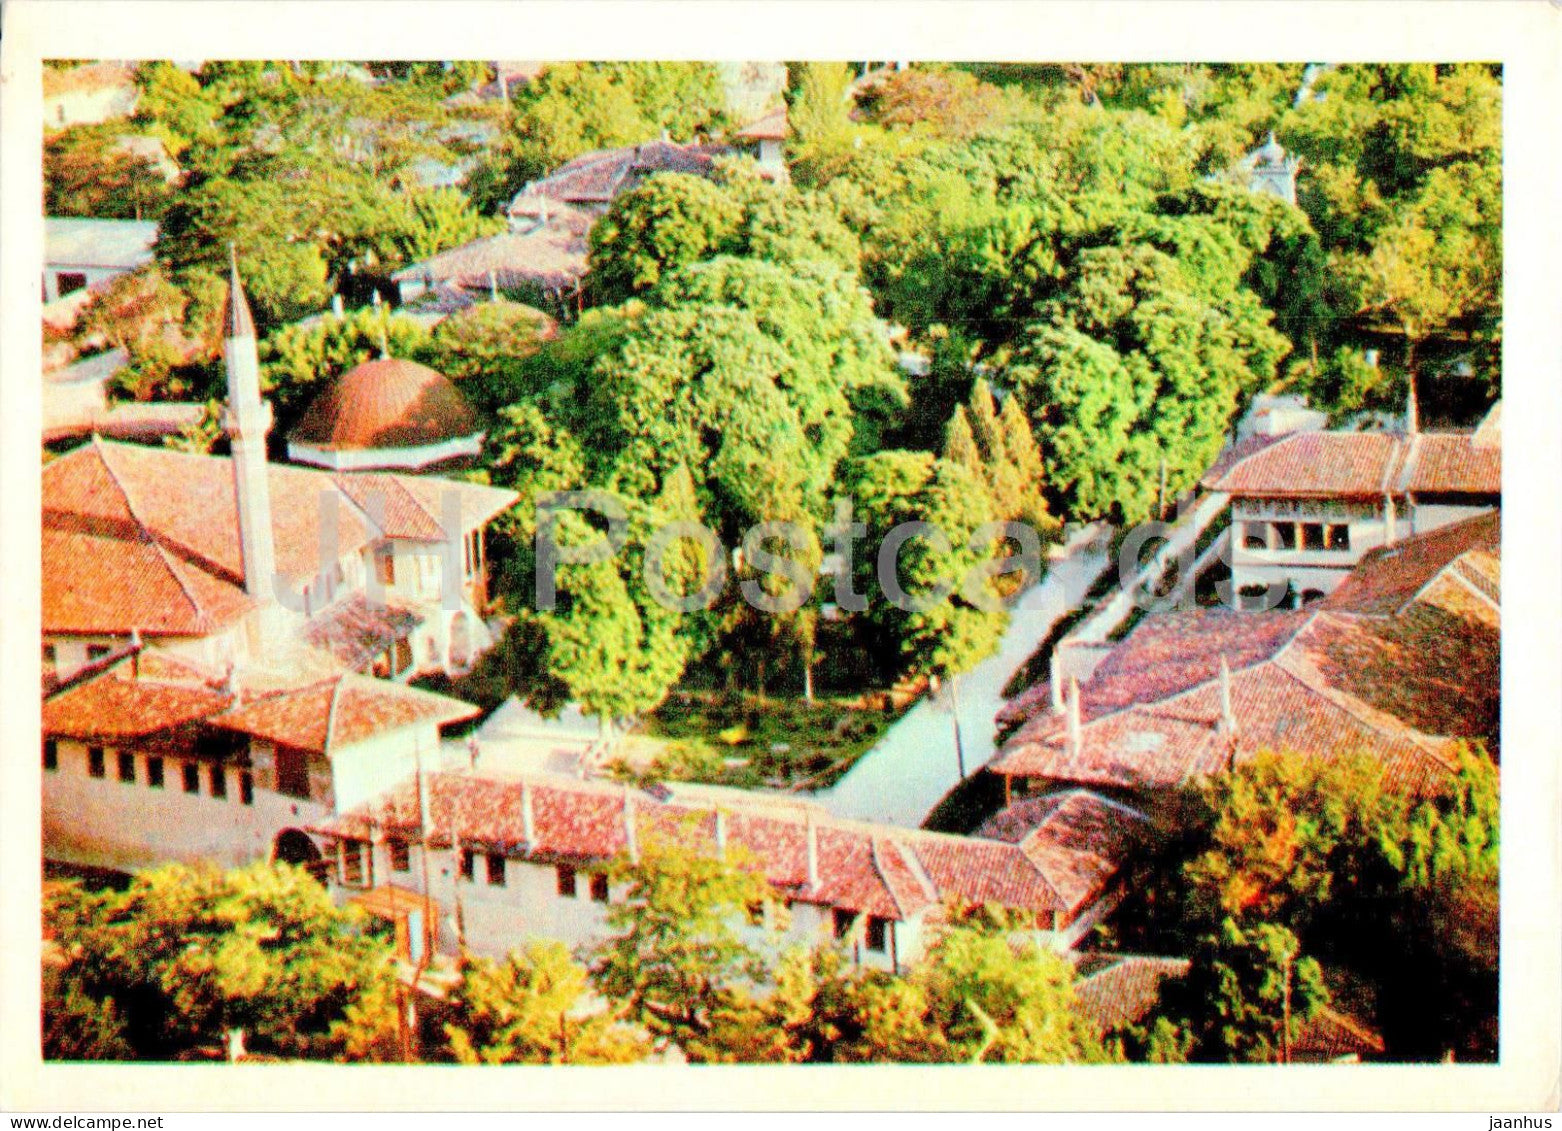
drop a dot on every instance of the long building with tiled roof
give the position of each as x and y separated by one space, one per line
1400 662
526 857
594 180
1306 506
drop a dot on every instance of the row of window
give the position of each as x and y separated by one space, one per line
876 931
1288 535
152 771
94 652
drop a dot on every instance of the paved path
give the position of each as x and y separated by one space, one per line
913 766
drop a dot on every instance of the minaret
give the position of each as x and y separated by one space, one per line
247 420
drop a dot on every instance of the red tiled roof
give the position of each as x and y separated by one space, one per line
1387 666
386 403
1350 464
894 873
1388 578
1116 990
355 632
132 697
599 176
552 255
89 76
1077 839
771 127
1451 462
339 712
148 538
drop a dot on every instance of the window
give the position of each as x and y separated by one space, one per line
467 870
1312 536
878 934
216 781
1255 536
192 777
246 788
1339 536
97 651
842 921
599 887
566 881
292 772
493 869
126 766
48 655
154 771
403 655
385 566
400 856
70 281
352 864
95 761
51 754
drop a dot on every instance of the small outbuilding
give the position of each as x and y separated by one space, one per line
387 413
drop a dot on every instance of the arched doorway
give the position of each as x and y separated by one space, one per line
296 848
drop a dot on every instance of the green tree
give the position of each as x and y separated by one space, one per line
818 102
955 619
671 220
999 448
188 953
1004 999
297 361
484 349
1246 995
533 1008
88 171
678 954
938 99
79 1026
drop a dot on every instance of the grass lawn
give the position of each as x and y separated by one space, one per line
739 739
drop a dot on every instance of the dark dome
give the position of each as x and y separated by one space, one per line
388 403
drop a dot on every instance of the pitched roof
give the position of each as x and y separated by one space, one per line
386 403
1077 839
1360 464
1400 662
1115 990
771 127
891 872
599 176
88 76
355 631
133 696
148 538
1312 463
551 255
340 711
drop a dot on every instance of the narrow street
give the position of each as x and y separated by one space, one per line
901 779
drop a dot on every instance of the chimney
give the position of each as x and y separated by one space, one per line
1075 735
493 285
247 421
135 653
1390 520
630 843
1412 409
813 854
528 818
721 834
384 342
1228 719
235 1045
1055 677
337 307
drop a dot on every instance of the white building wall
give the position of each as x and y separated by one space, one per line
106 823
364 770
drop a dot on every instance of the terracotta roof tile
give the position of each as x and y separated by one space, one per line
121 702
1343 464
355 632
599 176
1078 840
552 255
339 712
1391 665
1115 991
386 403
1452 462
771 127
889 872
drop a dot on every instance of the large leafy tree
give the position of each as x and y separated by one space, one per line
678 955
88 170
186 954
534 1008
955 618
